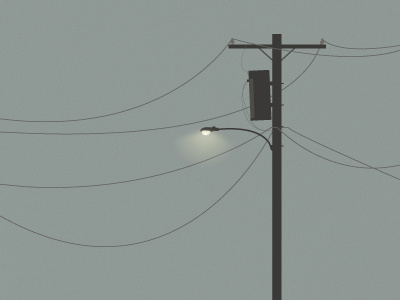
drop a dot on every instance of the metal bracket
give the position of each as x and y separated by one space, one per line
265 53
288 54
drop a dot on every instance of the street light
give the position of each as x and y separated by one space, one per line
276 218
208 130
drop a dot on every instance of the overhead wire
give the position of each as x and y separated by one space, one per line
241 61
119 132
320 156
326 55
143 241
130 180
315 55
135 131
148 102
368 166
347 165
122 111
130 244
158 128
360 48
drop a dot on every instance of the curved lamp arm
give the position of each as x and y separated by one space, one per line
208 130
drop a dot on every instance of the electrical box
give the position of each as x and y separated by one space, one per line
260 95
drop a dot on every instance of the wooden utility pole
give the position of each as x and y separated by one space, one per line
276 151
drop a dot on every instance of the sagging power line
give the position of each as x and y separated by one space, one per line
126 181
118 112
360 48
366 166
253 45
153 100
143 241
158 128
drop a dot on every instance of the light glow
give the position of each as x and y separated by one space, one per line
205 132
195 146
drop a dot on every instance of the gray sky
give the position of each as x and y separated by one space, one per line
64 60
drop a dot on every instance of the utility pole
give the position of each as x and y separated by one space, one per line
276 47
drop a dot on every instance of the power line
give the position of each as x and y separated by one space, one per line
320 156
125 181
159 128
360 48
119 132
368 166
392 166
122 111
327 55
241 61
315 55
144 241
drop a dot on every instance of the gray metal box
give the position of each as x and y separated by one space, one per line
260 95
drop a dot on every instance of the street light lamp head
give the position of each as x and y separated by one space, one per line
205 132
208 130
